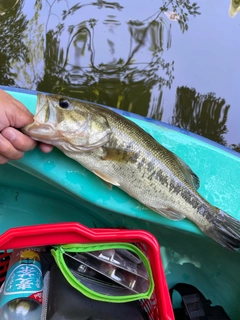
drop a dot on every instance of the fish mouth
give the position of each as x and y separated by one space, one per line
45 120
39 131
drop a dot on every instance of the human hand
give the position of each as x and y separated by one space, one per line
13 143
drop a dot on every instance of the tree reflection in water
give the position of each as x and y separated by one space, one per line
125 83
235 147
203 114
13 24
234 7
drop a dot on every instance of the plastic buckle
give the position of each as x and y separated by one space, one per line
193 307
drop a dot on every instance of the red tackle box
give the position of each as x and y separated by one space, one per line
159 307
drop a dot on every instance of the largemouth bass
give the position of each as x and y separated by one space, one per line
124 155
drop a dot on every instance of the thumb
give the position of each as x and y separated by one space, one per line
20 118
13 112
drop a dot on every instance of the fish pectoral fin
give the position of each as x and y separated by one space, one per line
107 179
107 184
170 214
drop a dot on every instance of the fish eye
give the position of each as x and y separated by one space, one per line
63 103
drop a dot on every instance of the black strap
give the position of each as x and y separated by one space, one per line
195 306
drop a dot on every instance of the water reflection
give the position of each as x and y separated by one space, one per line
180 11
119 54
7 5
13 24
234 8
121 82
235 147
204 114
146 33
29 69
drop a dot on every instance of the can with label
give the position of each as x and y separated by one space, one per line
21 293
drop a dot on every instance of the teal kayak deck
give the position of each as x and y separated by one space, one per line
48 188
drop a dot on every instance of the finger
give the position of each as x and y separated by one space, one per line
8 151
3 160
46 148
20 141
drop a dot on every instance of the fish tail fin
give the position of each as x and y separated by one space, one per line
225 230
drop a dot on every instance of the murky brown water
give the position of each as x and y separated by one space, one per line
135 55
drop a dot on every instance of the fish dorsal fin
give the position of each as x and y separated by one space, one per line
106 178
188 174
